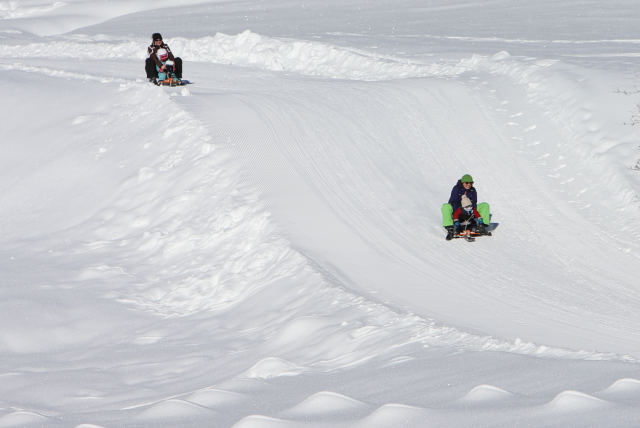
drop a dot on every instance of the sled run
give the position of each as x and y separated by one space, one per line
264 248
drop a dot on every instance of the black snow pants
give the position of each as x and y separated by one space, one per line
150 68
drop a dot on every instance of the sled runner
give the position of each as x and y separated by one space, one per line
171 82
469 235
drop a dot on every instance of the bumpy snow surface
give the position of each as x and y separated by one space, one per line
264 248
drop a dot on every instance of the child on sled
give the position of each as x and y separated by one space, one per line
467 217
481 215
168 69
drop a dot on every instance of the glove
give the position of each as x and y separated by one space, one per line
480 221
456 224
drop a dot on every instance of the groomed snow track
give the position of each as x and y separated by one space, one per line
355 174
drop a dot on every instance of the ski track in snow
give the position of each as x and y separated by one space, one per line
188 234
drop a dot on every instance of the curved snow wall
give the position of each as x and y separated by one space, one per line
355 174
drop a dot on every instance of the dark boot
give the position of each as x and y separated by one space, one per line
450 232
482 229
150 68
178 67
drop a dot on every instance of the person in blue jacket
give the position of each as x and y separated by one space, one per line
464 187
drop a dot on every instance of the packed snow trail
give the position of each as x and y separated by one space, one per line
356 172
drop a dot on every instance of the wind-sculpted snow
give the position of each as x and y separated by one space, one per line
317 59
249 49
49 17
12 10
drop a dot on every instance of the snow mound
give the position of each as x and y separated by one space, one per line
259 421
625 391
175 408
500 56
249 49
394 415
311 58
626 385
574 401
325 404
22 418
273 367
299 329
216 398
485 394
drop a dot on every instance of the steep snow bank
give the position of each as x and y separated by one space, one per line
356 170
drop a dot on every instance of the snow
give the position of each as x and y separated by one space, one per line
264 248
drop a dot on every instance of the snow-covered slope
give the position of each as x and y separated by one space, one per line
358 173
264 248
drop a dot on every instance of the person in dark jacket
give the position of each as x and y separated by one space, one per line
157 54
464 188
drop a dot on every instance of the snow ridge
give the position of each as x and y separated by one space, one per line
249 49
